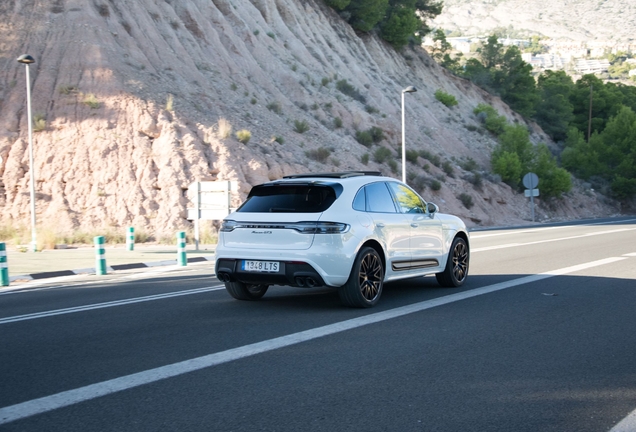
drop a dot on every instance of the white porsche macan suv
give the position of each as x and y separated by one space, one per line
352 230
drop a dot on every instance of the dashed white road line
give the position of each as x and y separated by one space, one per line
71 397
109 304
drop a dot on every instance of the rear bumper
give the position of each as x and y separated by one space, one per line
292 273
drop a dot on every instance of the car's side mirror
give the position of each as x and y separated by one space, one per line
431 209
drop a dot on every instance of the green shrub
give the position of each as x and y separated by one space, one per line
244 136
274 107
321 154
301 126
448 168
365 159
370 109
411 156
445 98
325 81
494 122
91 101
435 185
466 199
350 90
377 134
382 154
337 122
393 165
364 137
279 139
469 164
432 158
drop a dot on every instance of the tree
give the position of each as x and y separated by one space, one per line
553 110
554 180
514 81
491 53
400 25
365 14
338 4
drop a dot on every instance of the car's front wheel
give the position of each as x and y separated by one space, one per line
456 270
364 287
243 291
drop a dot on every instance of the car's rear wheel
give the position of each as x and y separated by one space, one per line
456 270
243 291
364 287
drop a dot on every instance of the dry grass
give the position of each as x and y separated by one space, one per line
224 129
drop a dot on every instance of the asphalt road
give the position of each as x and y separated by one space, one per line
542 337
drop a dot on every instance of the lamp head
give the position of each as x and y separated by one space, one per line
409 89
26 59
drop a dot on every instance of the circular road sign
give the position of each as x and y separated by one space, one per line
531 180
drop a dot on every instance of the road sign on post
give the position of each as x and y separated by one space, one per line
212 201
531 181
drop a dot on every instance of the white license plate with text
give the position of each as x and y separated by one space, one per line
261 266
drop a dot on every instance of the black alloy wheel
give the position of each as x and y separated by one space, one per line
364 287
456 270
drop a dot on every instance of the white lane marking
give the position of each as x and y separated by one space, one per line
114 303
71 397
628 424
510 245
512 230
633 254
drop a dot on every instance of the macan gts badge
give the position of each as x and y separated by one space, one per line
353 231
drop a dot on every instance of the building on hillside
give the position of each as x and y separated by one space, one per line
591 66
632 73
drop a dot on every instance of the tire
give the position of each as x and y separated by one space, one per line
364 287
456 270
243 291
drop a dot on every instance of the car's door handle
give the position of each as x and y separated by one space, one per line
414 225
380 225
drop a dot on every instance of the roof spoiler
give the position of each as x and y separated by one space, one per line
341 175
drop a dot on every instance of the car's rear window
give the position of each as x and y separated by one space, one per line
289 198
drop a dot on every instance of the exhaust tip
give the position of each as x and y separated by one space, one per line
224 277
300 281
310 282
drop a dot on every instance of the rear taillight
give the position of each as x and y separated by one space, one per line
320 227
228 225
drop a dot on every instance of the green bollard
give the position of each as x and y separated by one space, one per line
181 249
100 256
130 239
4 266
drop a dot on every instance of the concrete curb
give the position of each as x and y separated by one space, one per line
91 270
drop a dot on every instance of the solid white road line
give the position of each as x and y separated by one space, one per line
106 305
510 245
509 231
628 424
71 397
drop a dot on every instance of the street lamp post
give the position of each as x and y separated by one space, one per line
409 89
26 59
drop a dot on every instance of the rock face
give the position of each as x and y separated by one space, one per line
574 20
132 99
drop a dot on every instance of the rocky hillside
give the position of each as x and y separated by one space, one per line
132 101
576 20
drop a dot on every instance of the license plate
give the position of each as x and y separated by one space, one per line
261 266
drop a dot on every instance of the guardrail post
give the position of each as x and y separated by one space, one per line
130 239
181 248
100 256
4 266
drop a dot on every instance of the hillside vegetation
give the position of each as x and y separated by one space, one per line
135 100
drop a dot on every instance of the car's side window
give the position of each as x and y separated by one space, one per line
407 200
379 198
360 201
